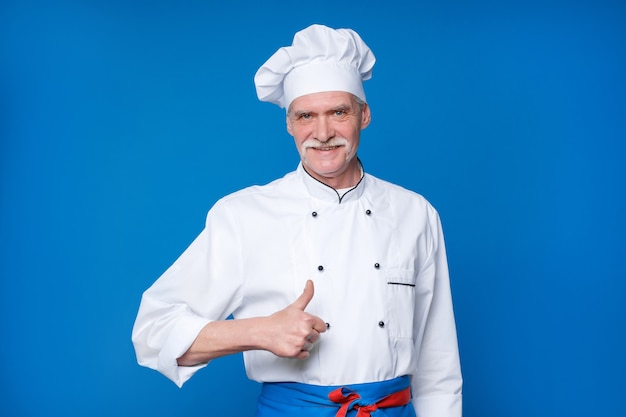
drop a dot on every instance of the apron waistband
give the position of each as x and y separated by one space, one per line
336 400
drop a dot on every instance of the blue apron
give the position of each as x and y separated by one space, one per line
291 399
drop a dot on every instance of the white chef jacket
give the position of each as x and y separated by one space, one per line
378 261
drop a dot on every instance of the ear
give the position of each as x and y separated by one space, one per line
289 128
366 116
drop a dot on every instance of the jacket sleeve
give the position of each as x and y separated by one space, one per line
202 285
437 382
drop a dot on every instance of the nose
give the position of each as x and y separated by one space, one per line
324 130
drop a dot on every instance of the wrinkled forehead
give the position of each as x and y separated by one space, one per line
323 101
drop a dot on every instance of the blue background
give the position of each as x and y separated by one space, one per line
122 122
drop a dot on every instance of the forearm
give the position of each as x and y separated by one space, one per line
224 337
288 333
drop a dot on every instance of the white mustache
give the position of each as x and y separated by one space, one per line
314 143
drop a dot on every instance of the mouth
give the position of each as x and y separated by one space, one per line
325 148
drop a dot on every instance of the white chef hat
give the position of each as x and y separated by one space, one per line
320 59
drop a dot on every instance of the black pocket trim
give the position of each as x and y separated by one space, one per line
400 283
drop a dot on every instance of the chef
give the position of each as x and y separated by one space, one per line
337 281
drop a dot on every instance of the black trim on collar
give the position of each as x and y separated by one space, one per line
339 197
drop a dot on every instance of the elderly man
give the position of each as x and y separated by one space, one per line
337 281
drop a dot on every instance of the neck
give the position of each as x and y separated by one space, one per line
347 179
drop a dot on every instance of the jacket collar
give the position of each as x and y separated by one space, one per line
327 193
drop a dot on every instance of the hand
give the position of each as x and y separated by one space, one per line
291 332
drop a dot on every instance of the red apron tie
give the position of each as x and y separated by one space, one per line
395 399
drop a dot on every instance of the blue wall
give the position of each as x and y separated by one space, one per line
122 122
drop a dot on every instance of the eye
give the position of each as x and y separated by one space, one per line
340 112
304 116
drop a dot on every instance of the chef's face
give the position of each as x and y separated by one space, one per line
326 128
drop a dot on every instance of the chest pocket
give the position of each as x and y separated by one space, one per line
401 302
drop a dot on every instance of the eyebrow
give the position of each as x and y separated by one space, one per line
342 107
301 112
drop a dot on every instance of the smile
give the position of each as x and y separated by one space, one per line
325 148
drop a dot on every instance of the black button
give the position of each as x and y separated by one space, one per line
314 214
320 268
377 265
368 212
381 324
328 325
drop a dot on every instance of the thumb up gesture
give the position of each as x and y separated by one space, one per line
291 332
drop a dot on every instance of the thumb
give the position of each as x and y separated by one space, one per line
305 297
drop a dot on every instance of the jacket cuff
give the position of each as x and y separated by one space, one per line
182 336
